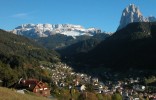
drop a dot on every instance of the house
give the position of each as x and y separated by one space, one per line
81 88
98 89
127 98
139 87
1 82
95 80
76 82
34 85
62 84
136 99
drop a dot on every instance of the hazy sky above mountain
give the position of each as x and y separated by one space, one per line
103 14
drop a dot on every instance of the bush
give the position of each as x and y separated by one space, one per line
100 97
116 96
88 96
107 97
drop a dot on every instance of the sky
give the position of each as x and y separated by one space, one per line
102 14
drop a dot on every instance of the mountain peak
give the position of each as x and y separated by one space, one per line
131 14
133 9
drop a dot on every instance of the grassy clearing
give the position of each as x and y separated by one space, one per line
8 94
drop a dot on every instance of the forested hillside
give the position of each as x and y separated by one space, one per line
130 47
21 57
59 41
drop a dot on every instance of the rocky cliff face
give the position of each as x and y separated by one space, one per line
132 14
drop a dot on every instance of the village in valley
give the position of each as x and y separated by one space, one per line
78 50
63 77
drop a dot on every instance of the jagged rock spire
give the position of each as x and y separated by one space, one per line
131 14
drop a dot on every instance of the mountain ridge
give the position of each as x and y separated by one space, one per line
134 50
60 41
45 30
82 46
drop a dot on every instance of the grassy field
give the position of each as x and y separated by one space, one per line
8 94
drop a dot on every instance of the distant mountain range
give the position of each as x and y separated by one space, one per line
132 14
129 15
45 30
55 36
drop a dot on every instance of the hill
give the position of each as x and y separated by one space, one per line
7 94
59 41
21 47
21 57
130 47
82 46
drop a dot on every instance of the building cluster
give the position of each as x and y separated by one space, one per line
131 89
64 76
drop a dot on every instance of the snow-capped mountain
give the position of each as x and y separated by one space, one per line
45 30
132 14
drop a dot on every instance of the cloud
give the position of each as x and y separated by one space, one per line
20 15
